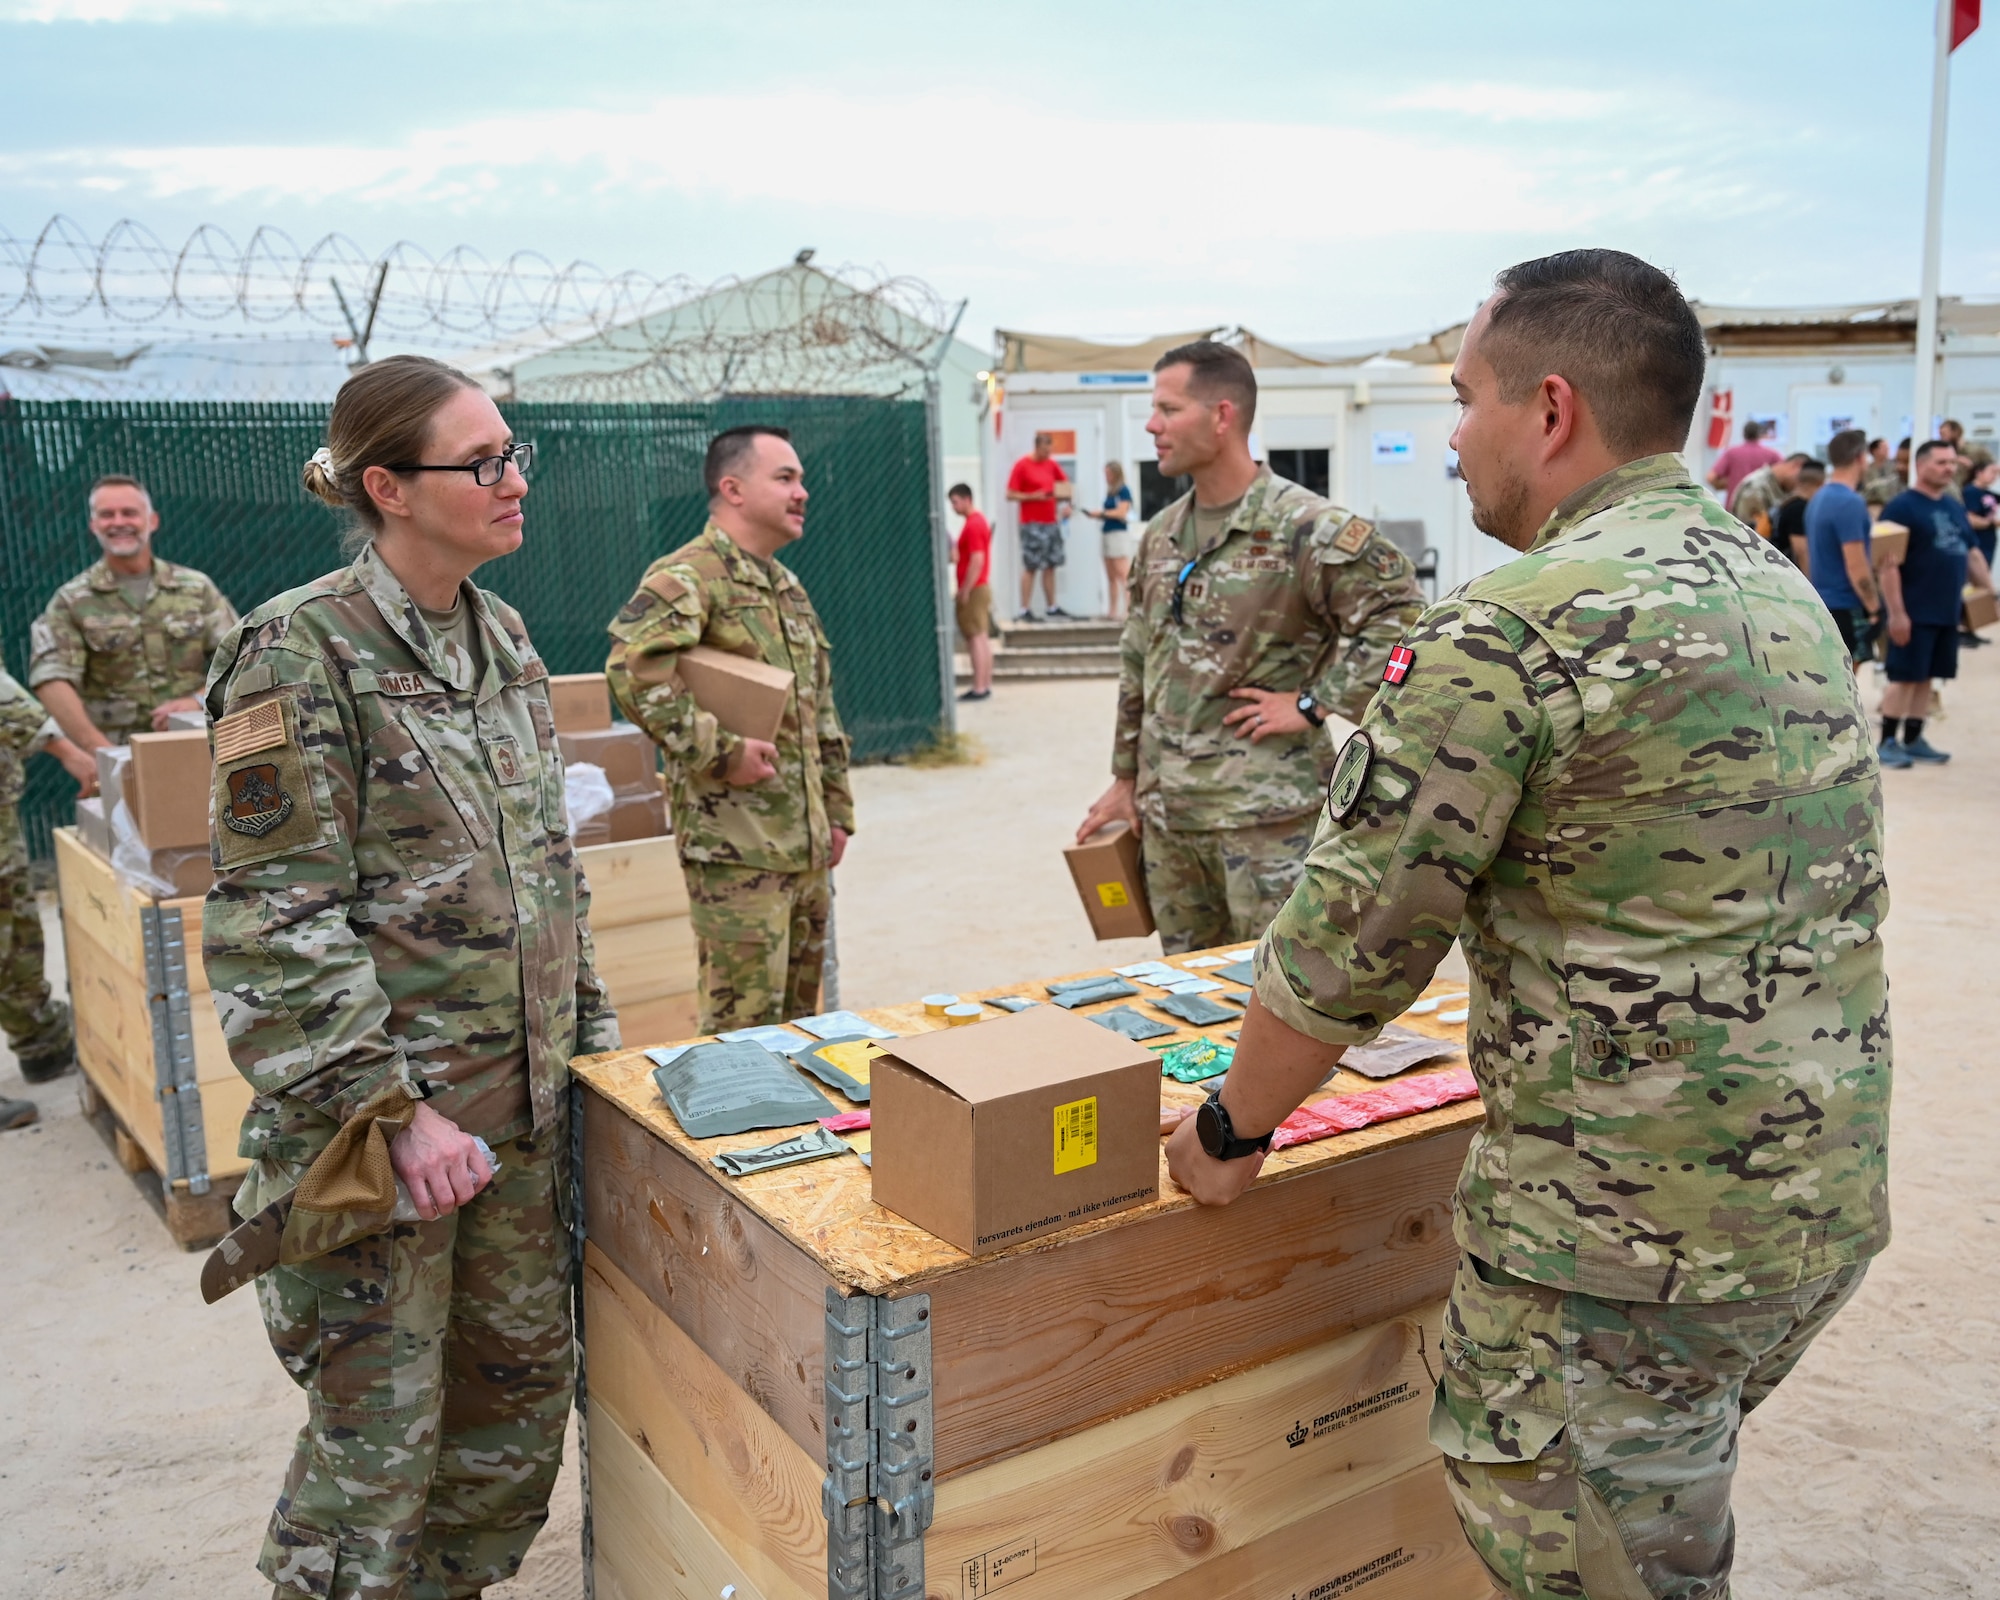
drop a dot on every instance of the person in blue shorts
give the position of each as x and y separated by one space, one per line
1923 594
1838 556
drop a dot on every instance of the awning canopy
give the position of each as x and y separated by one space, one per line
1048 352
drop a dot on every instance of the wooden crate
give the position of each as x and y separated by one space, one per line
645 946
1110 1407
130 1014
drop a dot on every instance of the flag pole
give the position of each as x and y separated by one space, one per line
1924 403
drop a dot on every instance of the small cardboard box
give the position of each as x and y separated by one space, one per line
580 702
1982 609
1112 883
747 697
167 787
1888 543
622 750
1013 1128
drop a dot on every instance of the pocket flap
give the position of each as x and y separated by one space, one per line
299 1558
1470 1423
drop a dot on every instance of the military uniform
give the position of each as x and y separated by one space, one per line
397 901
1631 774
1294 593
36 1023
1759 495
757 857
126 659
1880 485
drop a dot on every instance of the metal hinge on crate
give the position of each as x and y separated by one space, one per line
179 1094
878 1496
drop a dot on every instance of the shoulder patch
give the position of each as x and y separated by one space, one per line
670 587
244 733
1353 536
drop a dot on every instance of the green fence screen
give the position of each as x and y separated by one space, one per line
614 487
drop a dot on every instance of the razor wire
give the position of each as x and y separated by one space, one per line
848 330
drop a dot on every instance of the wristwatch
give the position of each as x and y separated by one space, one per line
1218 1137
1309 709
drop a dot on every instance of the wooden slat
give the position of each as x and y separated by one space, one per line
646 1543
752 1487
644 961
754 1301
637 881
94 902
653 1022
1118 1508
1400 1541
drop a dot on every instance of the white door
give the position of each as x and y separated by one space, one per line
1820 410
1979 411
1079 448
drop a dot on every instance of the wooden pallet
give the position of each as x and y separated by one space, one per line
1059 1369
193 1221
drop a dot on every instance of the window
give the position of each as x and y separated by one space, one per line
1309 469
1157 491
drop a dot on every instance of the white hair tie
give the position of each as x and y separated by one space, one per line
323 459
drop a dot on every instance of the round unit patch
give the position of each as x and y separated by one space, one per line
1350 775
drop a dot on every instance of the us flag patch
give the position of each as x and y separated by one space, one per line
1401 659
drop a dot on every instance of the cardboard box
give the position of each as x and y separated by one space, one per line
1112 883
1888 543
624 752
1982 609
747 697
580 702
167 787
1013 1128
93 825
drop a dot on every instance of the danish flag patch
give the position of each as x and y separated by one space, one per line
1401 659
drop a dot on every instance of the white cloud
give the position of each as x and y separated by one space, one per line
1511 102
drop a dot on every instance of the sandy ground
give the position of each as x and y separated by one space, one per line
142 1434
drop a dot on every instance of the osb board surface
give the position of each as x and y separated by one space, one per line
827 1208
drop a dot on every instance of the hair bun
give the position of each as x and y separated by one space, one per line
319 478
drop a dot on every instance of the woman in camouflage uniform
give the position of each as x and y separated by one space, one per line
398 916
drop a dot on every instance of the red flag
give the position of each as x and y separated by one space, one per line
1964 19
1721 407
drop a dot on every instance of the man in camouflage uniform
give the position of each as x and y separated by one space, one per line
398 907
1759 495
1256 608
1884 480
36 1023
127 640
761 823
1631 774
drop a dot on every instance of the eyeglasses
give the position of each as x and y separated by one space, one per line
487 470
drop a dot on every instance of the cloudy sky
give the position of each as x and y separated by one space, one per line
1316 169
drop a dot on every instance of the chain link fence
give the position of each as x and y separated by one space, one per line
614 487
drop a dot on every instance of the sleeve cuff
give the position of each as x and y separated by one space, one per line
351 1097
53 672
1276 997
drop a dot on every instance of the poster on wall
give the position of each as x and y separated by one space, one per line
1395 445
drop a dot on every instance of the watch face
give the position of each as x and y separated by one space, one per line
1208 1127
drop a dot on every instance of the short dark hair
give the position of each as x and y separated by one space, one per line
1929 445
1752 432
1617 328
1904 445
118 480
1217 371
728 449
958 489
1800 456
1812 467
1872 443
1846 447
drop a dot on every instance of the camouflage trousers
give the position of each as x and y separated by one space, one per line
1223 885
438 1362
1590 1443
762 938
36 1023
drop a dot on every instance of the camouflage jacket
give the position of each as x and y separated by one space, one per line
1880 485
125 661
1631 772
25 727
711 592
396 895
1760 494
1296 594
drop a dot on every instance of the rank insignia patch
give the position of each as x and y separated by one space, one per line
257 801
1401 659
1353 536
1350 775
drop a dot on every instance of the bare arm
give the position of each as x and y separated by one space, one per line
1802 554
66 706
1862 576
1977 570
1892 599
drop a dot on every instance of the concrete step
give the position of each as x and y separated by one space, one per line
1058 635
1082 661
1017 671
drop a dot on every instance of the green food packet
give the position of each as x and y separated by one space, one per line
1196 1059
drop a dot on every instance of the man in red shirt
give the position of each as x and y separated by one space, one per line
1033 486
1739 461
974 595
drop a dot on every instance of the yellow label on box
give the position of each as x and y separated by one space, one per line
852 1057
1113 894
1076 1135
